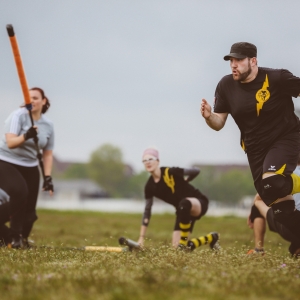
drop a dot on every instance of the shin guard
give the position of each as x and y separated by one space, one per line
286 214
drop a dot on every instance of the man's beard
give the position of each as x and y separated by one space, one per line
243 76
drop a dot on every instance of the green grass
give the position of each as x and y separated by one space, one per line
159 272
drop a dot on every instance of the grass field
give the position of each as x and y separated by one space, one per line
159 272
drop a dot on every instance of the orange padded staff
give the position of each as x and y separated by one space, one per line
23 81
19 65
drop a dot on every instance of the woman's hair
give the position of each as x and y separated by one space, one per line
47 104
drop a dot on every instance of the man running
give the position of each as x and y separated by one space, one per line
260 101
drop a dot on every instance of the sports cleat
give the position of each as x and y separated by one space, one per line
296 253
17 242
183 248
214 244
256 251
27 244
2 243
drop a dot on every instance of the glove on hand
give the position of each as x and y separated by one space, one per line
30 134
48 185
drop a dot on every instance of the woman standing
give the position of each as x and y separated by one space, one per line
169 185
19 173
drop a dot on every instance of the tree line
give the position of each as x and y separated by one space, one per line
107 168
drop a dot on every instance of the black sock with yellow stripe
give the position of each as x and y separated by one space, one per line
184 233
202 240
184 209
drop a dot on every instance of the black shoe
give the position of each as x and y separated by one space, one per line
17 242
2 242
214 245
27 244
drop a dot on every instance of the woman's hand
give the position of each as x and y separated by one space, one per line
141 241
48 185
249 222
31 133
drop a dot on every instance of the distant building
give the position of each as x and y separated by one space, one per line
60 166
74 190
222 168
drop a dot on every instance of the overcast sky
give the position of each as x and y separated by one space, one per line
133 73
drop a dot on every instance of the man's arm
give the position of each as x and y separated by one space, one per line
215 121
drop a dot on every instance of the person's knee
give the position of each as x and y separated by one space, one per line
276 186
184 210
18 192
184 206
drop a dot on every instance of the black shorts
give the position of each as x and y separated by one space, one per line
204 206
282 230
281 157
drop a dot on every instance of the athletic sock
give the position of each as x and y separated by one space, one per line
184 233
202 240
296 183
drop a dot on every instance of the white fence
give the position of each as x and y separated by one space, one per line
132 206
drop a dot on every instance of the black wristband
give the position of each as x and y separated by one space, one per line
30 133
48 185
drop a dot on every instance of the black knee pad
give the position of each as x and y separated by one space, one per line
283 211
276 186
183 210
255 213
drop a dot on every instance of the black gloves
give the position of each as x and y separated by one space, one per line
48 185
30 134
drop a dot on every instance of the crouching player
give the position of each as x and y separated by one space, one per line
262 214
170 185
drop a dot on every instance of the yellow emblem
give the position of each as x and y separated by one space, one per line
262 95
281 170
169 180
243 145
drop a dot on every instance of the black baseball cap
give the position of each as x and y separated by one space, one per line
242 50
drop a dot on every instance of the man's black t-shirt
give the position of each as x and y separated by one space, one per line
263 108
171 188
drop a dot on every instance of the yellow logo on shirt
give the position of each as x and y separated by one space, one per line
169 180
262 95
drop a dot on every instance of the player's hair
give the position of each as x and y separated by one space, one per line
299 159
47 104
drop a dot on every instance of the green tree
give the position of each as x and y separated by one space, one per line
135 185
106 167
233 185
76 171
227 187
